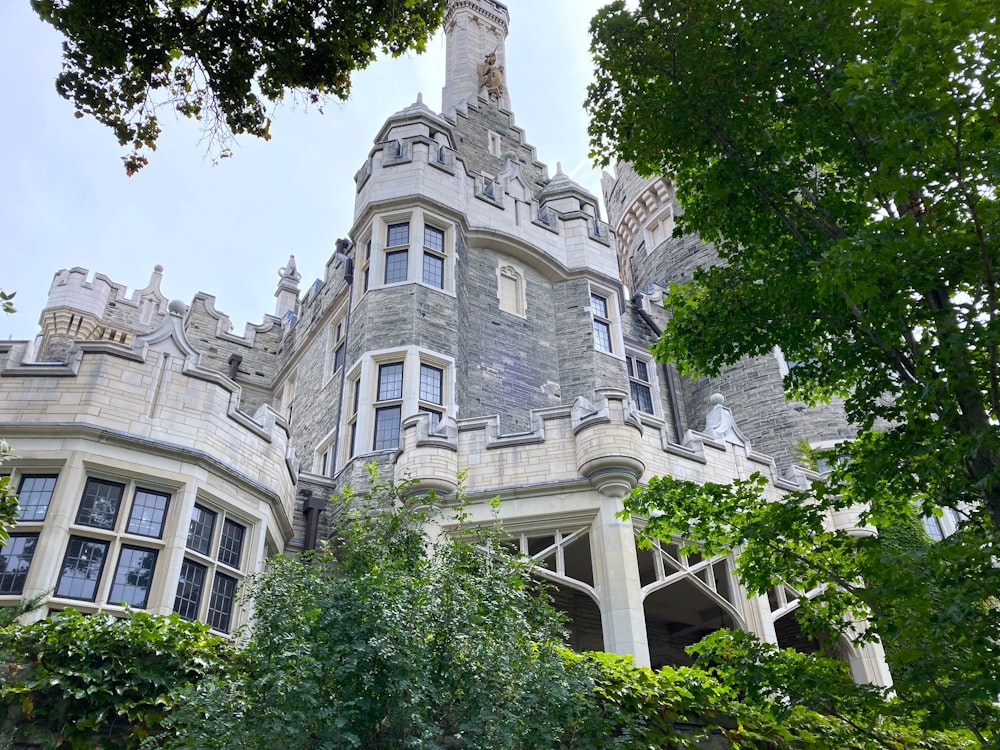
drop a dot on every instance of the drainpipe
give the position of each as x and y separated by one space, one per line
668 371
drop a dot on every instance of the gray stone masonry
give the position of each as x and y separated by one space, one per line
257 368
471 143
505 361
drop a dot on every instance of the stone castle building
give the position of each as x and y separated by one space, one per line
482 317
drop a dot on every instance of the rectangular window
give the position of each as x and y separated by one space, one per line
15 559
133 577
339 354
34 495
602 323
642 392
201 529
148 511
433 273
395 266
398 234
364 264
431 379
81 568
100 503
231 543
387 428
220 606
189 588
390 381
434 239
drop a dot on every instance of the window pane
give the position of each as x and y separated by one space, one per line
15 559
434 239
399 234
81 568
148 512
643 397
34 495
642 371
338 357
189 586
395 266
390 381
231 542
602 336
133 577
629 365
99 506
434 270
599 305
430 384
386 428
933 527
200 531
220 606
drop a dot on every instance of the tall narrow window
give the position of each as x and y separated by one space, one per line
352 424
189 587
34 495
201 529
433 270
388 414
220 607
15 559
639 383
602 322
231 543
396 261
431 392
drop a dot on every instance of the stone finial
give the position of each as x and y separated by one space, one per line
720 424
290 271
177 307
287 293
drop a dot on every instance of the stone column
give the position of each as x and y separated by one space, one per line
618 588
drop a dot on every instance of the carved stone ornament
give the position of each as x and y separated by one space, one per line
491 76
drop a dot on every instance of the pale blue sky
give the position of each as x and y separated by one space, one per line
65 200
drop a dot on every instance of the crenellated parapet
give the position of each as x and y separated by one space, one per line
83 309
415 160
598 443
155 392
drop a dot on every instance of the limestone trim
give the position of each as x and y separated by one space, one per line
202 459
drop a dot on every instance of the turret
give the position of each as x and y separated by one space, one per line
475 58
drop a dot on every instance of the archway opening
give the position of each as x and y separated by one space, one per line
678 616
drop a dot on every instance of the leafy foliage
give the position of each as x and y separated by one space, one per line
226 62
75 680
389 637
8 500
843 159
7 301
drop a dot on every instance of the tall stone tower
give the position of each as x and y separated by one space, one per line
475 57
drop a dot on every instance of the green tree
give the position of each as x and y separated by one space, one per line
842 157
390 638
225 62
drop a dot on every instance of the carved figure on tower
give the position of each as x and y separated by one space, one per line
491 76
